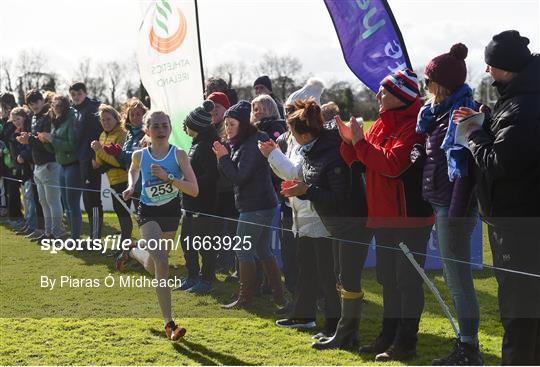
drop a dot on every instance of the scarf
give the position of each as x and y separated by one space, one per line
456 155
304 150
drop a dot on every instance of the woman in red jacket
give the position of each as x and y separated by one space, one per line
396 210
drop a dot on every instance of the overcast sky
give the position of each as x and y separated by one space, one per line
232 30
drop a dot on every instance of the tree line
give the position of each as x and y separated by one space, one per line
113 82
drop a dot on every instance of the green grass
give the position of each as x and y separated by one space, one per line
121 326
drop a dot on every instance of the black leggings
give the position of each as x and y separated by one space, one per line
91 180
315 271
349 259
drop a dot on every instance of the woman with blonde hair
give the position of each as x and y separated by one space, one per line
448 185
265 116
105 162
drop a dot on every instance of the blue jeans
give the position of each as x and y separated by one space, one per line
454 236
29 207
70 180
260 234
47 178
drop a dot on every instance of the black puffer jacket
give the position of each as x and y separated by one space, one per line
204 164
337 191
249 172
507 151
40 123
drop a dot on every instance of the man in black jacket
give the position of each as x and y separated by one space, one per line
88 129
507 153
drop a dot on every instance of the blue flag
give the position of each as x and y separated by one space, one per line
370 39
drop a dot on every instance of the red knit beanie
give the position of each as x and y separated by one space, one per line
220 98
449 70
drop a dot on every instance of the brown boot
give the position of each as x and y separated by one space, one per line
273 275
248 278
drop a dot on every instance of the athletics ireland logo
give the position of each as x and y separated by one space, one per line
168 29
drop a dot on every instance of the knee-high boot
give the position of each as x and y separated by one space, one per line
347 335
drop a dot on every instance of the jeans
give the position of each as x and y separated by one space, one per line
258 232
47 178
29 207
70 180
454 235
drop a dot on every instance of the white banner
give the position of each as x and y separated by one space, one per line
169 61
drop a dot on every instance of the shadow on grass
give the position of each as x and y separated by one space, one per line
201 354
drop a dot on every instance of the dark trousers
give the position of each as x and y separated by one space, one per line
516 246
91 180
226 208
316 271
403 291
349 258
288 250
13 190
40 223
124 218
199 226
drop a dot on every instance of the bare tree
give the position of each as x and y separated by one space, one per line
115 74
236 74
281 69
6 74
83 72
485 92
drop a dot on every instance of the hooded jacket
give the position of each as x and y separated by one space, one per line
393 184
507 150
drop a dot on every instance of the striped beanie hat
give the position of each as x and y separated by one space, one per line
200 118
403 84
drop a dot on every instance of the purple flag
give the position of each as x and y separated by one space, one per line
370 39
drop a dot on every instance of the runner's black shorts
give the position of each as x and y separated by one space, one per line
167 216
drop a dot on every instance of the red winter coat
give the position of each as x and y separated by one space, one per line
393 184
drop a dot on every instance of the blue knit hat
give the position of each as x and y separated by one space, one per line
240 111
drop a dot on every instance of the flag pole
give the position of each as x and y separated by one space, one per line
199 43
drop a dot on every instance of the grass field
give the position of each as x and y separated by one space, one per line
121 326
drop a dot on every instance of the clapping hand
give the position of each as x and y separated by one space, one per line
267 147
296 188
219 150
357 130
344 130
96 146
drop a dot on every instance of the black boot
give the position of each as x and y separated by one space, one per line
464 354
385 338
347 335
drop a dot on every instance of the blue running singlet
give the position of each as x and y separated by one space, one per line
155 191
